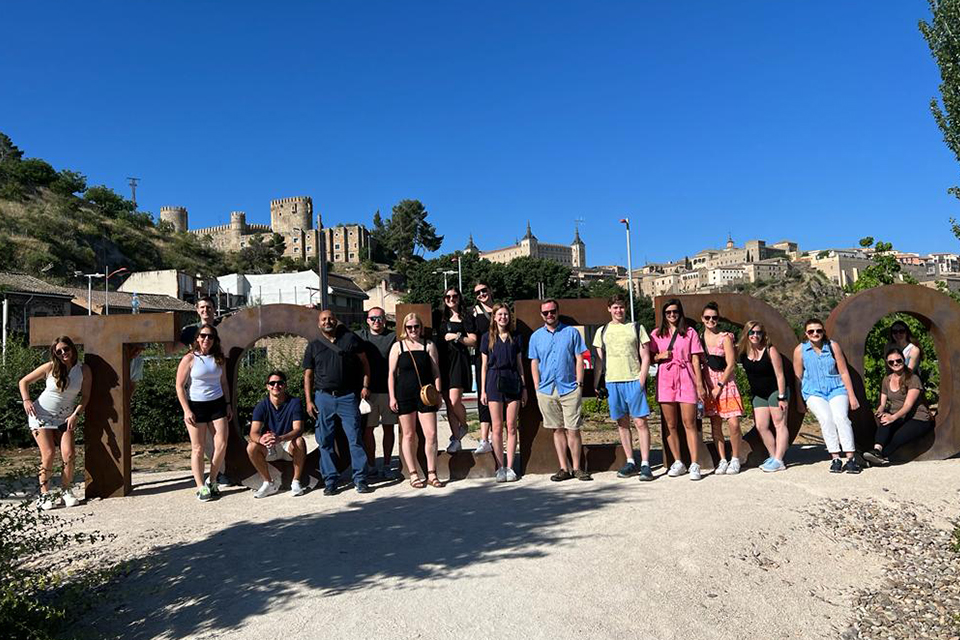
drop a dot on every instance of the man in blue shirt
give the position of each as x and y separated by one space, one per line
556 363
275 434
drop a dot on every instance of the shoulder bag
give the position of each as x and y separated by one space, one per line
429 395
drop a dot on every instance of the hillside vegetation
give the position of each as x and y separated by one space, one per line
52 224
802 294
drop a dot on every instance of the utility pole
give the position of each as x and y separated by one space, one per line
626 223
133 189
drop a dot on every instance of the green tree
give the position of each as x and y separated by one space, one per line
942 34
886 269
108 202
260 255
8 151
408 233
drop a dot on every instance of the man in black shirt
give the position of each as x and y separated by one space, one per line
337 375
378 342
207 310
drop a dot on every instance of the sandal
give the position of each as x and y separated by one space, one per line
417 482
435 481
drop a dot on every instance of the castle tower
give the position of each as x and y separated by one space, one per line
529 245
578 250
175 216
238 222
289 213
471 247
730 244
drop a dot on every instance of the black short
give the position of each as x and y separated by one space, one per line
208 410
406 407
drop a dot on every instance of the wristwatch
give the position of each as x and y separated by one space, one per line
782 398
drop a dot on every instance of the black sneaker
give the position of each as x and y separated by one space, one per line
580 474
852 466
362 487
875 459
836 466
645 473
628 470
561 475
330 490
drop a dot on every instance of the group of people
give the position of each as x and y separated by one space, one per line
355 382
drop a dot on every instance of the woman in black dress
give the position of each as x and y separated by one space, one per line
764 368
459 333
502 383
412 364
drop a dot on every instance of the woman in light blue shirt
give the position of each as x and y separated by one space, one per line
827 390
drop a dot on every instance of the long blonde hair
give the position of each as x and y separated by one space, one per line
494 328
744 345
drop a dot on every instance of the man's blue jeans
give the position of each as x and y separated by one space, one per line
344 409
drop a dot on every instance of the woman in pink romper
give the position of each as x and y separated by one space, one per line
679 384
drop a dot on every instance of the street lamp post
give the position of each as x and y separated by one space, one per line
106 287
459 273
626 222
446 272
90 277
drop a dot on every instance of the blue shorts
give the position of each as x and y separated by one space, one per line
627 398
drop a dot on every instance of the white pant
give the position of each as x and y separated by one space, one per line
834 422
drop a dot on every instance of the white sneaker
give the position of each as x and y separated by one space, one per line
266 489
483 447
734 467
296 489
501 475
45 502
694 471
721 468
677 469
454 446
70 500
511 475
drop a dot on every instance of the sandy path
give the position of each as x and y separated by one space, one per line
728 557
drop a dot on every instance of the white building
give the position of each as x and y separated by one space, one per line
346 298
167 282
721 276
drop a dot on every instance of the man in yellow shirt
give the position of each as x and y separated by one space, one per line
622 347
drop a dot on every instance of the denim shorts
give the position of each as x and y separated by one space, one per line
627 398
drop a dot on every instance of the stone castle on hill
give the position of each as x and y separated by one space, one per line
572 255
291 218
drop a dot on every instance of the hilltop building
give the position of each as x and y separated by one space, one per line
572 255
293 219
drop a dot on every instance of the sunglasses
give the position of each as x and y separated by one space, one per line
452 297
755 332
276 383
894 363
481 292
710 318
412 327
204 336
898 331
63 352
671 312
375 318
814 332
549 312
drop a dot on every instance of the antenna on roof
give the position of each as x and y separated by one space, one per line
133 189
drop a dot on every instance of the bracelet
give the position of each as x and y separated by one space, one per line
783 398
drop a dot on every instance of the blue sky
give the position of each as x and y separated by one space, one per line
803 120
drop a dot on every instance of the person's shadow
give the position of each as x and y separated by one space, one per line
213 585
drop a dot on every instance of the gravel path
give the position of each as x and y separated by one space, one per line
798 554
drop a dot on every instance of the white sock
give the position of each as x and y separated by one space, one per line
645 463
631 461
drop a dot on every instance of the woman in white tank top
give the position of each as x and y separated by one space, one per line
55 414
201 390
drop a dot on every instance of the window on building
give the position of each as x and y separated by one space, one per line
337 246
296 240
353 256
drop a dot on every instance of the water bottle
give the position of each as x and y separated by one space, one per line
699 409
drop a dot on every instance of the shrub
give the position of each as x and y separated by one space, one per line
155 412
40 596
21 360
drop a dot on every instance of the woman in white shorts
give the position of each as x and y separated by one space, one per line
55 414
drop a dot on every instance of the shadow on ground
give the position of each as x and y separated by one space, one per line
213 585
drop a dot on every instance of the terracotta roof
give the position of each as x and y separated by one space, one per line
122 300
22 283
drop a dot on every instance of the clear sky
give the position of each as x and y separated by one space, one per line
802 120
